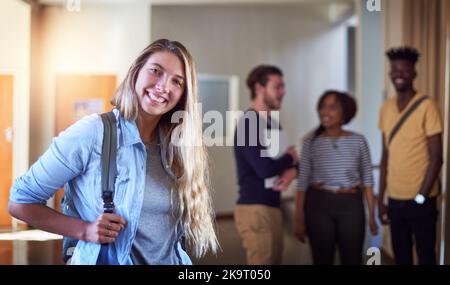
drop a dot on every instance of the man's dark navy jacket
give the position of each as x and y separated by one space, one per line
253 168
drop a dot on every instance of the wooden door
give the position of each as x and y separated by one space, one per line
79 95
6 106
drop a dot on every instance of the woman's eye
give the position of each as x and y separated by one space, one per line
155 71
178 82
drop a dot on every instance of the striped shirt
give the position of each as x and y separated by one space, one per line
335 162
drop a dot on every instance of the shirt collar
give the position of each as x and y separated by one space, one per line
130 136
129 131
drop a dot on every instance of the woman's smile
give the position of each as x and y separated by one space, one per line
155 99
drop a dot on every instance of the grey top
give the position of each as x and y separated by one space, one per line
156 239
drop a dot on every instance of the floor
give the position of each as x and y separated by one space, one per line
232 252
295 253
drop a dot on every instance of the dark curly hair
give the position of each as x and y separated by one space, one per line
260 74
403 53
348 105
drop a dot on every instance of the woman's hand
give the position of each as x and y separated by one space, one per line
373 226
300 230
105 229
383 213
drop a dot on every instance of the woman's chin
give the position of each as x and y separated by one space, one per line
325 125
330 126
152 111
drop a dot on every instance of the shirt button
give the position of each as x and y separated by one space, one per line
167 166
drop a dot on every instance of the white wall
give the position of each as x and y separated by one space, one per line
370 87
231 40
370 76
15 18
393 33
100 39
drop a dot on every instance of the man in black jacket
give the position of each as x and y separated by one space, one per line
264 168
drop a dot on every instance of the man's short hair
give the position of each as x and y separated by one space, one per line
403 53
260 74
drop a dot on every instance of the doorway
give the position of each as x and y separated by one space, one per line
77 96
6 137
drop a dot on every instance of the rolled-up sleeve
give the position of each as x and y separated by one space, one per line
66 158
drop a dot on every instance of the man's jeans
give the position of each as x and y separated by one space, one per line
410 219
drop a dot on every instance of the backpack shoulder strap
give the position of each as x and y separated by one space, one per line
404 117
109 168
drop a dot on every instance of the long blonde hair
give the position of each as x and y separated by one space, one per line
188 162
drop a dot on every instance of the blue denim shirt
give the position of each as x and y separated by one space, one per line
74 160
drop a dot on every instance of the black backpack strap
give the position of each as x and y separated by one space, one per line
109 168
404 117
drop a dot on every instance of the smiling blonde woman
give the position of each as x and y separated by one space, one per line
161 197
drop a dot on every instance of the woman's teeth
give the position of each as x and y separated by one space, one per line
157 98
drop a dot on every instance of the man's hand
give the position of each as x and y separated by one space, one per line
283 182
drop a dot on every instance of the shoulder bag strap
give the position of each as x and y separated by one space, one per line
404 117
109 168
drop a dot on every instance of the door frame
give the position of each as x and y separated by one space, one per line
12 73
20 130
444 254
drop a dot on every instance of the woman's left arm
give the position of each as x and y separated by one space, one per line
370 197
66 158
368 182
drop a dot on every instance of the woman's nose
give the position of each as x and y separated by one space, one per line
162 84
